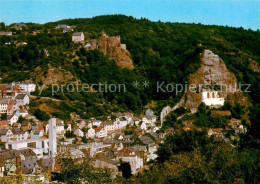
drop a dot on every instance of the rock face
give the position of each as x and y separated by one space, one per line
112 47
212 74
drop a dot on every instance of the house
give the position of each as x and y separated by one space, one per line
37 134
81 124
66 30
78 37
109 125
6 33
91 133
26 126
5 135
136 121
19 134
62 26
4 124
212 98
69 128
22 99
10 109
143 126
21 112
96 123
4 102
12 119
7 105
60 129
27 86
78 133
101 132
121 122
111 164
16 125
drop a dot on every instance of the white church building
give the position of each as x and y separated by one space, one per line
211 98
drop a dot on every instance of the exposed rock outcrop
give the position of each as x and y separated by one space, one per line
213 73
112 47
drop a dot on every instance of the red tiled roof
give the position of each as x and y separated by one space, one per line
10 106
4 124
41 128
99 128
23 110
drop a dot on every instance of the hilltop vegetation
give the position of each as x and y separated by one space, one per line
160 52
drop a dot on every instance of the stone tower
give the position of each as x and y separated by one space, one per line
52 138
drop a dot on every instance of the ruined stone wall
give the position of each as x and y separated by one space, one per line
102 43
112 47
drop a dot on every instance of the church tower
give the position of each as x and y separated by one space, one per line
52 138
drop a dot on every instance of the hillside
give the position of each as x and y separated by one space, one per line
160 52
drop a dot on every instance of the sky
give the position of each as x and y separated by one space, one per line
235 13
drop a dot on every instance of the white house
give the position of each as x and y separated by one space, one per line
101 132
211 98
11 108
78 133
81 124
69 128
96 123
121 122
143 126
109 125
37 134
78 37
22 99
21 112
4 102
149 118
60 129
27 86
12 119
18 134
5 135
91 133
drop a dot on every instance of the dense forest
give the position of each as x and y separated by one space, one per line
160 52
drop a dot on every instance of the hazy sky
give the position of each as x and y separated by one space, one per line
237 13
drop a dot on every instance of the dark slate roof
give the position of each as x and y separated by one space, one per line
3 131
11 154
146 140
20 96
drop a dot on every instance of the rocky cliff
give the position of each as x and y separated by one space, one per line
114 50
213 73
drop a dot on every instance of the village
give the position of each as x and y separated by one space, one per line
32 145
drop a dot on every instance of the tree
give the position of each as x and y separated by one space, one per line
41 115
180 142
20 119
4 117
76 172
84 139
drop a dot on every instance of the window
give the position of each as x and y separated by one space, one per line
31 144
